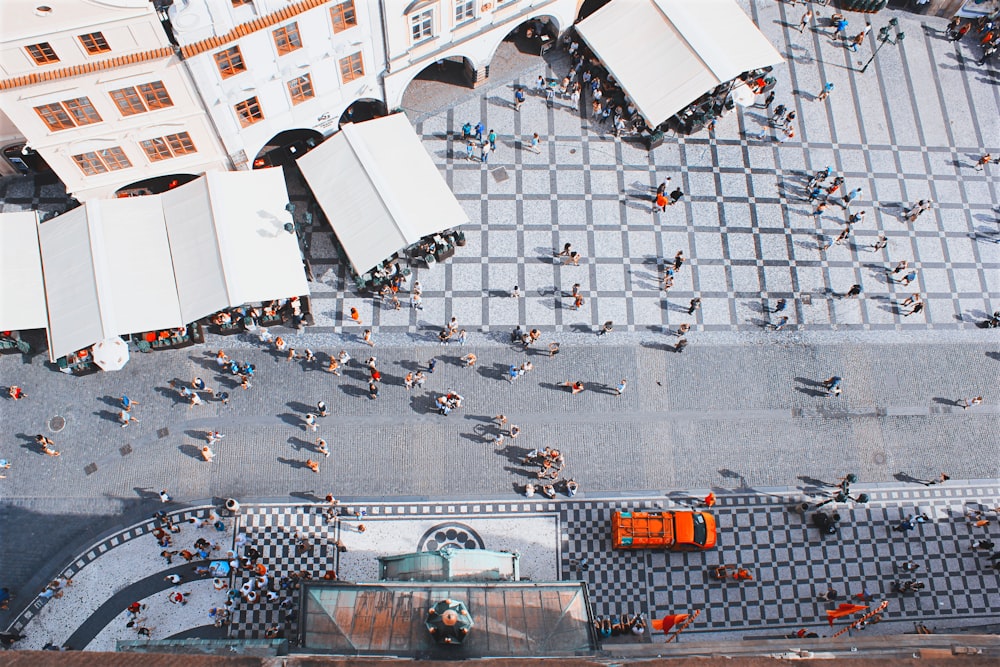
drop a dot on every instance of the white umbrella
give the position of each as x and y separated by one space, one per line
743 96
111 354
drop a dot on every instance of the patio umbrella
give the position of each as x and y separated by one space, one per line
111 354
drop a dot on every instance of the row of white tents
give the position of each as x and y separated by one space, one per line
116 267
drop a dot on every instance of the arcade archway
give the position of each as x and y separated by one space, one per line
362 110
285 147
155 185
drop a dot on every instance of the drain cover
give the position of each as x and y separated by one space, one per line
90 469
162 433
57 423
126 450
500 174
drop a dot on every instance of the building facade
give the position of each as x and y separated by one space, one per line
424 32
98 91
267 66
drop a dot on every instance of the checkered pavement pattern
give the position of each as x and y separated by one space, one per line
271 529
791 562
744 223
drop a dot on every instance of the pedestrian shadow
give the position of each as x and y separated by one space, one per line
756 306
146 494
950 402
170 392
601 388
192 451
356 374
206 361
520 472
814 483
411 366
806 95
878 272
295 420
995 356
107 415
660 347
495 372
908 479
547 255
298 444
497 293
197 433
293 463
350 390
300 408
422 403
810 387
307 496
114 401
478 436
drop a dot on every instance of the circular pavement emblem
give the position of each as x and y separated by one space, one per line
57 423
451 534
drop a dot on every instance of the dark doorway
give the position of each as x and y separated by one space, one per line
155 185
285 147
362 110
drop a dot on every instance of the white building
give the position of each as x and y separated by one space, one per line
11 144
423 32
268 66
97 90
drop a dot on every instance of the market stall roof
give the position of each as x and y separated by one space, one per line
228 241
123 266
22 293
667 53
107 272
379 189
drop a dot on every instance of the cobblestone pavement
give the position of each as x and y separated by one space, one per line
740 408
791 562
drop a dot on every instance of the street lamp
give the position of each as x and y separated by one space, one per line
884 38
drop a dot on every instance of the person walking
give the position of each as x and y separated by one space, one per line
125 418
620 389
470 151
480 128
534 143
678 260
310 422
849 197
970 402
804 21
843 235
518 98
880 243
207 454
825 93
694 305
854 291
983 161
492 138
675 196
321 447
832 385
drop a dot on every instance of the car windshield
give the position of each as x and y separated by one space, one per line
700 533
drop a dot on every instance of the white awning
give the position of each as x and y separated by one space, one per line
667 53
123 266
22 293
379 189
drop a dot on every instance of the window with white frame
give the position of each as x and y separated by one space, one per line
465 10
421 25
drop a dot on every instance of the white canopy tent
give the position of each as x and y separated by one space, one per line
667 53
379 189
22 292
123 266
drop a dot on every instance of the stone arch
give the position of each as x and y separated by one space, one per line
286 146
455 67
360 110
154 185
556 28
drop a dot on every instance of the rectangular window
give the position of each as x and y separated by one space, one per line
90 164
155 95
301 89
42 53
240 3
69 113
115 158
422 25
102 161
82 111
230 62
94 43
464 10
352 67
248 111
163 148
55 117
344 16
286 38
142 98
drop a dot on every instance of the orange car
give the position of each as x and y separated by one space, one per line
676 531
